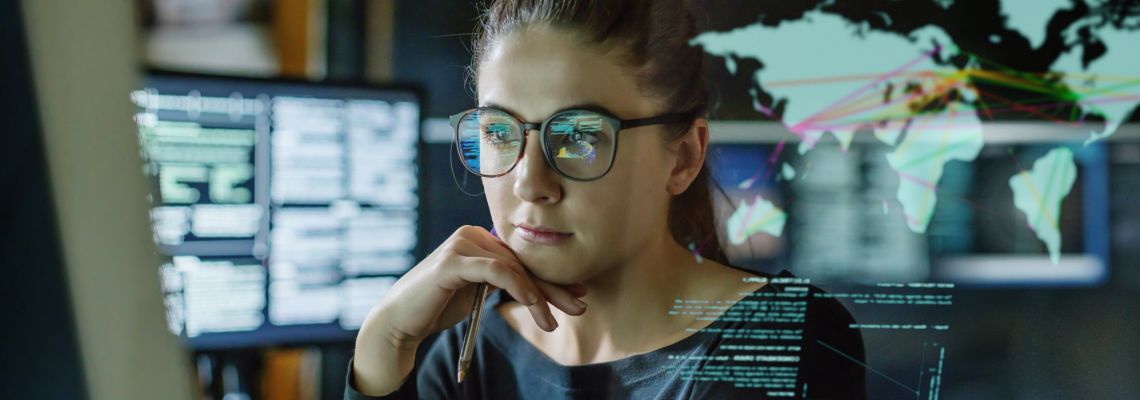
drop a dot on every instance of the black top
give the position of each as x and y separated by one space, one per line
780 341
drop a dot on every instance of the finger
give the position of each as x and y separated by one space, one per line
540 309
561 298
476 241
499 273
468 248
576 289
553 294
485 240
495 273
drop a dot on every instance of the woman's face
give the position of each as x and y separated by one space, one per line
599 223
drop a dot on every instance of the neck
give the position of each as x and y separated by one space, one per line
629 305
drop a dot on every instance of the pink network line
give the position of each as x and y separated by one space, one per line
772 160
770 166
871 85
1046 106
856 125
812 123
910 218
918 181
940 91
1041 107
923 123
1020 107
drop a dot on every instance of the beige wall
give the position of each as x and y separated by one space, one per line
85 59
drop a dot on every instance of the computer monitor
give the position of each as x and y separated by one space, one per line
286 208
841 220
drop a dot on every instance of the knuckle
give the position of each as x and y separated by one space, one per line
462 231
513 266
456 245
447 250
467 230
500 270
495 266
436 268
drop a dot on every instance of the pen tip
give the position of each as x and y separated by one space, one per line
459 378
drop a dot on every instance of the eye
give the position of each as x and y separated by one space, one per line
497 134
579 131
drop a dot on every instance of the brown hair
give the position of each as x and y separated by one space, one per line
654 38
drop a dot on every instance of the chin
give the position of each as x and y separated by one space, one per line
561 277
560 270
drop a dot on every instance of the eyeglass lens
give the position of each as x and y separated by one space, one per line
580 143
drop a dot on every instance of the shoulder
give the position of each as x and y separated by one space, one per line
832 351
791 319
437 362
724 282
822 315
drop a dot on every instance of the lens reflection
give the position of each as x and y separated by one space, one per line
581 143
489 141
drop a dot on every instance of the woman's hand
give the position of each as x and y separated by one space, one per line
437 293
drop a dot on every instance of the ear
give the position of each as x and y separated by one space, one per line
689 156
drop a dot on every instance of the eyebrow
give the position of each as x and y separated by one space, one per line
582 106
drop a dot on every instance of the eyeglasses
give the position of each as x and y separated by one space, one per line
578 143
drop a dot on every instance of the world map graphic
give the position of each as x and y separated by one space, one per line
925 86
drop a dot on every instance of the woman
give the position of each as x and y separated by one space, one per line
595 230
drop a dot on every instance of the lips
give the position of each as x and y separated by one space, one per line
539 234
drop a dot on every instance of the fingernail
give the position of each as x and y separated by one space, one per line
553 323
581 304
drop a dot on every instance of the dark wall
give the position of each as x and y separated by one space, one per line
432 38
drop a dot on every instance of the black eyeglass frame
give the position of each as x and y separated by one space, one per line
618 124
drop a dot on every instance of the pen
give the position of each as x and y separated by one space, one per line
468 349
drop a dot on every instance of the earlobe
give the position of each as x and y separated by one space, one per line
676 188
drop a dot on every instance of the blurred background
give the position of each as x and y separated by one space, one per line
204 198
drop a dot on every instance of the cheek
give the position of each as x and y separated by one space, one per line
496 187
633 194
500 195
642 169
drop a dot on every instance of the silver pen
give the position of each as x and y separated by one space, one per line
468 350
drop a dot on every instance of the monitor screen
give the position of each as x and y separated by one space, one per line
285 209
841 219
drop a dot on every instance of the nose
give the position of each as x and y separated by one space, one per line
536 182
